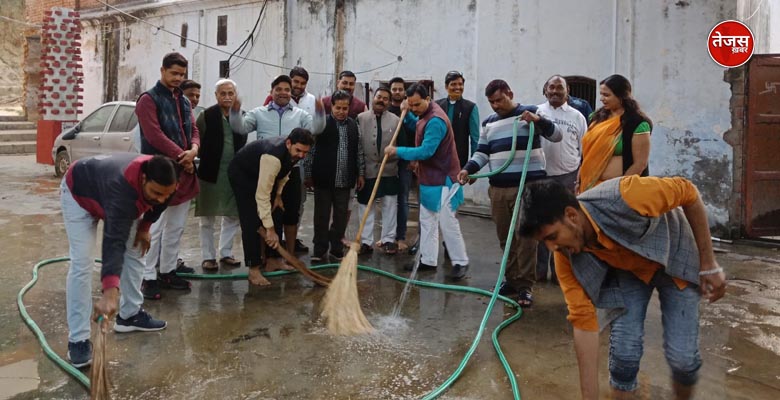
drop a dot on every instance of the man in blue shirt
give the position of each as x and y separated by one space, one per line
438 167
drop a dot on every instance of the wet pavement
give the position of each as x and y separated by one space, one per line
226 340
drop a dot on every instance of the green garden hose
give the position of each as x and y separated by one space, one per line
68 368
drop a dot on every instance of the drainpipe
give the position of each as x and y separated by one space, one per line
339 36
614 35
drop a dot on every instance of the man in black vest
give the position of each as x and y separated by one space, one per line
258 175
168 128
216 198
463 115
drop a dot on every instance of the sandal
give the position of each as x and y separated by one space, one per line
525 298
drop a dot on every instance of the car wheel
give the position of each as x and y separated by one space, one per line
61 163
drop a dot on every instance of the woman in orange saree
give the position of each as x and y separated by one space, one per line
618 139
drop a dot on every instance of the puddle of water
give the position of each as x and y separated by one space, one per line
19 377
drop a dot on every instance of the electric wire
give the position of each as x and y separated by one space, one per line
398 59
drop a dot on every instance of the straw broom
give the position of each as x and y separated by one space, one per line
98 379
341 306
297 264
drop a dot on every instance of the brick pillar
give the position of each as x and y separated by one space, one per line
736 138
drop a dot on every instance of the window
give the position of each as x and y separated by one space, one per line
133 122
122 119
184 29
582 87
222 30
224 69
96 122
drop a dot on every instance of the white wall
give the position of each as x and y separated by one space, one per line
660 45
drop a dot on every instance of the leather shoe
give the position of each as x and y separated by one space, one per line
209 264
459 272
230 261
422 267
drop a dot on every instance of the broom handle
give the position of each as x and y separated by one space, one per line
378 178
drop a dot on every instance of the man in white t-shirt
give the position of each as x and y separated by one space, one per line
562 158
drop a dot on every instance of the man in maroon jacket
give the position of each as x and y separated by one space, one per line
168 128
128 192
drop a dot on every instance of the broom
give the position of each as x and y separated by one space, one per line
341 306
297 264
98 379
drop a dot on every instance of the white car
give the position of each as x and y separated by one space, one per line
109 129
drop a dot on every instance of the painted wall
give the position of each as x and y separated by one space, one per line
12 54
658 45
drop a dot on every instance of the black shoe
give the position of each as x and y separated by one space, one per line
319 258
337 254
459 272
182 268
422 267
80 353
151 290
507 290
141 321
172 281
366 249
300 247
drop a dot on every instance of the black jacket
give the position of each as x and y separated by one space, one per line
212 139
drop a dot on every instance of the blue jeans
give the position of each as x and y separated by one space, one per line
81 228
405 178
680 318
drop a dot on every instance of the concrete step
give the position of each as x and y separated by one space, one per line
16 125
21 147
13 118
18 136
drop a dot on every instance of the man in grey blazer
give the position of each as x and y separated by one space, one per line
376 128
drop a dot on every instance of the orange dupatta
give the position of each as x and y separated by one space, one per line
598 146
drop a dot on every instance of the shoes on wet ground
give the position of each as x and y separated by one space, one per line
507 290
390 248
209 265
337 254
141 321
172 281
525 298
366 249
300 247
319 258
422 267
459 272
182 268
151 289
80 353
230 261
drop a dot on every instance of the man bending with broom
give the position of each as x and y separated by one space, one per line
438 168
258 174
128 192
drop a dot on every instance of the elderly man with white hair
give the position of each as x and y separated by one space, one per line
218 146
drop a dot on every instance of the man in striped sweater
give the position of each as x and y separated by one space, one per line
495 143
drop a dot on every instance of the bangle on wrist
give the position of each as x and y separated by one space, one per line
711 271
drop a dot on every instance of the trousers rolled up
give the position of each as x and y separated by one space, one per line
521 266
81 228
166 239
446 219
389 221
227 231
